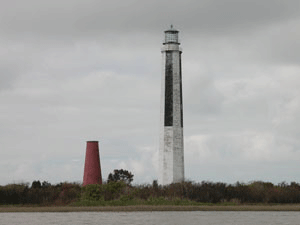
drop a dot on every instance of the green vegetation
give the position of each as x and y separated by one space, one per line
39 193
120 193
120 175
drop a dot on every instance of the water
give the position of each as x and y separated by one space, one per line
155 218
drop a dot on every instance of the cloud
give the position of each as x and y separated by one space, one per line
73 71
242 155
54 19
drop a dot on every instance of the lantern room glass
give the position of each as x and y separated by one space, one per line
171 37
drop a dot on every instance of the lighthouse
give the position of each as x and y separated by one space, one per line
92 168
171 151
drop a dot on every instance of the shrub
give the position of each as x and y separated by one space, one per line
91 192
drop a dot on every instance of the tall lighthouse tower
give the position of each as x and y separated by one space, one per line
171 154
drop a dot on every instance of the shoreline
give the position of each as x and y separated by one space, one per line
149 208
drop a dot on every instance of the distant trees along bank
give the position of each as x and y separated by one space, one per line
118 190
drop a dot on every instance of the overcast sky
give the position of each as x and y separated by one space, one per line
73 71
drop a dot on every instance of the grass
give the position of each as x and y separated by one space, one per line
152 204
149 202
134 208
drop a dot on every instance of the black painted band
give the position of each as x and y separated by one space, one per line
180 77
169 90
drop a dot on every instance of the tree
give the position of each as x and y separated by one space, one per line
120 175
46 184
36 184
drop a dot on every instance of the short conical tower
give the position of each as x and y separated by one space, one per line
92 168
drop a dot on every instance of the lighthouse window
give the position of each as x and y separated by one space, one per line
171 37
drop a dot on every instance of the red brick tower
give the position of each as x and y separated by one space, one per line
92 169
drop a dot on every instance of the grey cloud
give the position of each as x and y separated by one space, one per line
11 65
7 76
241 155
201 96
82 70
59 18
279 44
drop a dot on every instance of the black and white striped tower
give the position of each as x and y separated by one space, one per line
171 154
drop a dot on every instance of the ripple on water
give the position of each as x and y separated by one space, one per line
152 218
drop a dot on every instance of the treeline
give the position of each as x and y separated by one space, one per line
40 193
120 192
209 192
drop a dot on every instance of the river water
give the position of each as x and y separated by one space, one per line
153 218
